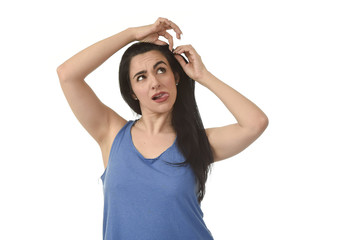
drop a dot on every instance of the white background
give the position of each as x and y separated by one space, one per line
299 61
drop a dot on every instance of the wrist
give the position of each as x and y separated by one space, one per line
131 33
206 78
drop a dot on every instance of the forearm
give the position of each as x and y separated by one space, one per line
246 112
87 60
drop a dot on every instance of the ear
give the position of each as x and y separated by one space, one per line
134 97
176 76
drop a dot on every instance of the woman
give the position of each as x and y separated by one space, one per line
156 166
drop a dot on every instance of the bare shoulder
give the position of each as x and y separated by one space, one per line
116 122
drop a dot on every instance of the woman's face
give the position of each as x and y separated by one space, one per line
153 82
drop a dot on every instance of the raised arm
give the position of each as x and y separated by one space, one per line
96 118
229 140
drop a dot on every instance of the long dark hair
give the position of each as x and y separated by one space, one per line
187 123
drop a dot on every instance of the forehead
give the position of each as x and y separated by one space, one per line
146 60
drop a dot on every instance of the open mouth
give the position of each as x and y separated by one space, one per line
160 96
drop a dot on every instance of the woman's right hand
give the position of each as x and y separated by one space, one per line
151 33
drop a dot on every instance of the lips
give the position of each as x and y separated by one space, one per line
160 95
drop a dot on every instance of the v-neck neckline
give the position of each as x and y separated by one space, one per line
139 153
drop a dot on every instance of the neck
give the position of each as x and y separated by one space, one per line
153 124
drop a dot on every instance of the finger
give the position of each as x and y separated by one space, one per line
186 49
171 25
161 20
180 59
176 29
160 42
190 54
164 23
183 48
179 50
170 40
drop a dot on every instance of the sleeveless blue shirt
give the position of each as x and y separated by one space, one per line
148 199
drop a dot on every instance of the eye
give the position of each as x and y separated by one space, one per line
140 78
161 70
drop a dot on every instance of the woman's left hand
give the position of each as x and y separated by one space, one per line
195 68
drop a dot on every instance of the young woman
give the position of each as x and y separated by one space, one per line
156 166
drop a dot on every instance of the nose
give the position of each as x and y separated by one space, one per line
155 83
155 86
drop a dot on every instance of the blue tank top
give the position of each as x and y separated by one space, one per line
148 199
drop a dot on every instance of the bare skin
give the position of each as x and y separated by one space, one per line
153 133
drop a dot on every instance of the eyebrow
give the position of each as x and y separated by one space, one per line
144 71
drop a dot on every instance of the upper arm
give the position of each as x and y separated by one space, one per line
93 115
230 140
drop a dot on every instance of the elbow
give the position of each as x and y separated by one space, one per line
264 123
66 73
61 72
260 125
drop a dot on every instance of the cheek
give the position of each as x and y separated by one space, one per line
174 91
169 80
135 90
140 92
